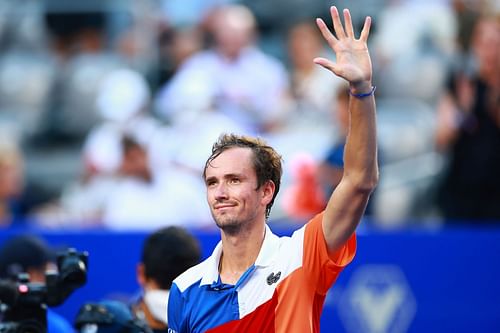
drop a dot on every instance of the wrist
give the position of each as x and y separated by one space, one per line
360 88
368 93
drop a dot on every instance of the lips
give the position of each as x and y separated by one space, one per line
223 206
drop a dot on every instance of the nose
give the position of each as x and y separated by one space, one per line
220 192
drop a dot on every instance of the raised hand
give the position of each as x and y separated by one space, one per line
352 57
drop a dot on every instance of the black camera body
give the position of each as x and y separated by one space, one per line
23 304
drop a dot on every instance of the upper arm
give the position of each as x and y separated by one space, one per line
343 213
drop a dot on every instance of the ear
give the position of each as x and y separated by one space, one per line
267 192
141 276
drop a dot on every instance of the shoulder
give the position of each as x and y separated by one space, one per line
192 276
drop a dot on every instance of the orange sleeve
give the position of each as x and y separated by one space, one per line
322 267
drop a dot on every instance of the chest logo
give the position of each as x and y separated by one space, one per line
273 278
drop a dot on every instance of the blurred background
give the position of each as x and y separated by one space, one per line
108 110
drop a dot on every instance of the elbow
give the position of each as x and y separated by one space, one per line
366 188
366 184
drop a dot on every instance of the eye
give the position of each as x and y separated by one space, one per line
235 181
211 182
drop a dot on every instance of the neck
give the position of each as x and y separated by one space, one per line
240 252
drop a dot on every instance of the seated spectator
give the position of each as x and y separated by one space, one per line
145 199
313 88
122 102
234 77
30 254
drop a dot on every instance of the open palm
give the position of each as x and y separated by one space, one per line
352 58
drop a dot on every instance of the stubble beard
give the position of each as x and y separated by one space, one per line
228 225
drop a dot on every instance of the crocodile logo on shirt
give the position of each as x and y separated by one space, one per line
273 278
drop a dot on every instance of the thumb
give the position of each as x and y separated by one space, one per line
327 64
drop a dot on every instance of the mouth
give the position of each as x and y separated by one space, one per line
223 207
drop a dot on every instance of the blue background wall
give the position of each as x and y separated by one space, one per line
404 281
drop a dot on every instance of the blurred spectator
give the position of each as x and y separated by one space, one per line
144 199
234 77
412 43
313 88
131 179
166 253
176 44
331 168
19 198
468 129
276 17
466 13
30 254
303 197
122 102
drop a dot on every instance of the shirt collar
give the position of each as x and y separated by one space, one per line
265 258
268 250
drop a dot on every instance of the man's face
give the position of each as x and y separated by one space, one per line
232 192
232 34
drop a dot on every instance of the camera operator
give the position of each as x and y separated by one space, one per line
166 253
30 254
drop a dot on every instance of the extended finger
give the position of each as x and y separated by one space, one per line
327 35
326 64
337 25
366 29
348 23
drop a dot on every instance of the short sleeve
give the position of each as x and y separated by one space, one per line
321 266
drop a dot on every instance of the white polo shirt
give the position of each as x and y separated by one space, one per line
283 291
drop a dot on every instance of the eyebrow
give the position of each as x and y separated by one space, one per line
226 176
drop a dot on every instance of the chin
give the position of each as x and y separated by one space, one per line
227 223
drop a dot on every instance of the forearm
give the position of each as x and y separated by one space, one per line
360 155
348 202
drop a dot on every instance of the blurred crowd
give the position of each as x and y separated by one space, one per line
108 110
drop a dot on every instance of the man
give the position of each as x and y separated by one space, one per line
234 77
166 253
30 254
255 281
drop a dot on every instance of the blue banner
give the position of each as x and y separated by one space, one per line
404 281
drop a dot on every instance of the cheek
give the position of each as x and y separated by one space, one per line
208 195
